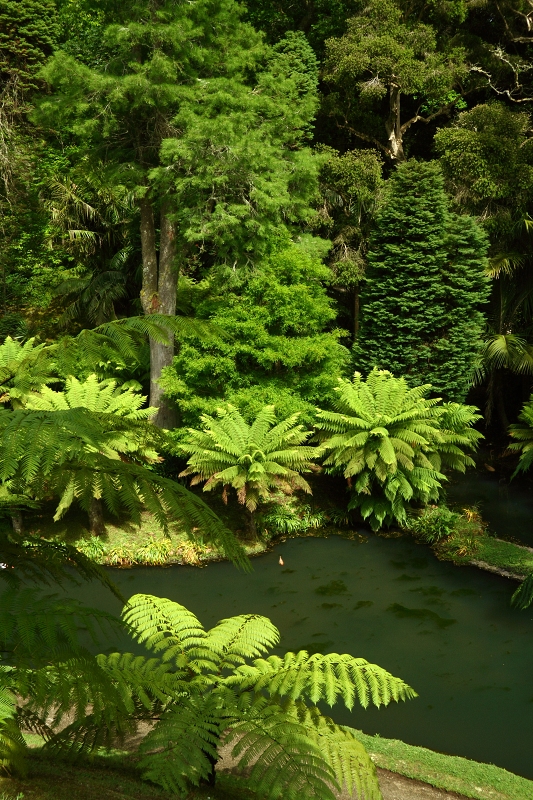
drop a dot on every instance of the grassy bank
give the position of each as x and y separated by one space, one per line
116 776
452 773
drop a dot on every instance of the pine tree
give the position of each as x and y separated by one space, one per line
426 282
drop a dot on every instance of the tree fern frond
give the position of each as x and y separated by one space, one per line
354 770
322 677
181 749
235 639
281 758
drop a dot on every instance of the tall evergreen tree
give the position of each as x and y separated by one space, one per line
421 314
205 124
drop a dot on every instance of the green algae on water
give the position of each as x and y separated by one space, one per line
423 614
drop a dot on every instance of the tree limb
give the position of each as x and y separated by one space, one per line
367 138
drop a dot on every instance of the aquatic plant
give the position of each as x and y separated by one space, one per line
391 443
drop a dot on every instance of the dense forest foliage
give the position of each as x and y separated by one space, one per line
247 243
257 167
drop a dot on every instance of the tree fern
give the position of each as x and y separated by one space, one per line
523 596
281 759
391 442
255 460
354 770
523 432
74 455
213 688
322 678
24 368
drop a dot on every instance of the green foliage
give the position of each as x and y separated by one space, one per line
257 460
388 50
28 30
433 524
392 444
426 282
287 517
233 170
487 162
216 688
24 368
271 342
454 535
72 455
523 432
102 397
523 596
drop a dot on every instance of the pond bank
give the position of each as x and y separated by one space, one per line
508 559
461 776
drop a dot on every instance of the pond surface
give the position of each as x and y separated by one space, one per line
448 631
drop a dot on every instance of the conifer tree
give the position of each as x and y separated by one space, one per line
426 283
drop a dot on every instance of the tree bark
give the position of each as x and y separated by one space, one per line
158 296
356 311
252 527
161 355
393 124
96 517
17 522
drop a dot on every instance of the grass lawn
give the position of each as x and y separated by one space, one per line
452 773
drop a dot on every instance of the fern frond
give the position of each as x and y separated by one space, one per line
235 639
354 770
322 677
182 747
279 756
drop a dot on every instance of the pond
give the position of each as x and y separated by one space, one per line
448 631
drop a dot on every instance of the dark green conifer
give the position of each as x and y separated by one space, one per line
426 283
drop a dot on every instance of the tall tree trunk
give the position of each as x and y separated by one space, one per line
96 517
393 124
356 310
158 296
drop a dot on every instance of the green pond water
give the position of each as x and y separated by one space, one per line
448 631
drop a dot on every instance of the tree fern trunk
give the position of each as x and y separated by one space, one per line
96 517
251 526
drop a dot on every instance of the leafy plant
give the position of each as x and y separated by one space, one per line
154 551
24 368
454 535
523 432
256 460
218 687
290 518
390 442
72 455
433 524
523 596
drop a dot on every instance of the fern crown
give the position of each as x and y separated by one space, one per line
393 443
256 460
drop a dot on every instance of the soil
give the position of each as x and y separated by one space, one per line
397 787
